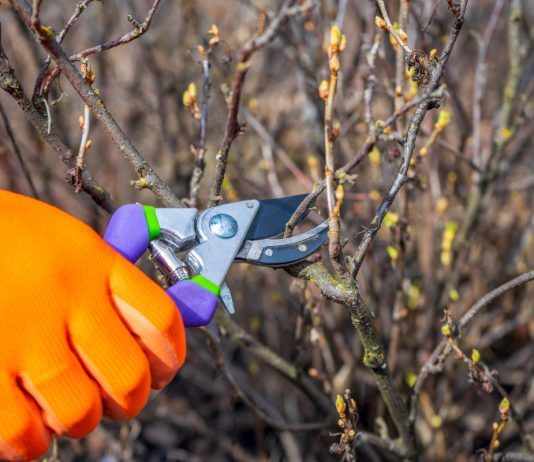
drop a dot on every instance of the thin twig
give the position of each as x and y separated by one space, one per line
260 129
480 77
516 415
138 30
35 11
391 29
335 249
80 8
400 61
233 128
427 96
369 88
413 129
436 360
78 169
273 360
304 207
10 84
502 130
147 177
276 423
200 150
18 154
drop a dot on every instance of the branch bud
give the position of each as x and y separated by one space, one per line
335 37
403 36
214 32
187 99
334 63
323 90
444 119
504 407
192 89
340 405
380 23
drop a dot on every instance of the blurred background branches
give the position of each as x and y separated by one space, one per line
416 119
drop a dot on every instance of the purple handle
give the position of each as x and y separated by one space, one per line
196 304
127 232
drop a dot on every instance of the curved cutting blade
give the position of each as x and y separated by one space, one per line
273 215
282 252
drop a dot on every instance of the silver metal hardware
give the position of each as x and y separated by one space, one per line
177 227
222 235
210 257
171 266
223 225
226 299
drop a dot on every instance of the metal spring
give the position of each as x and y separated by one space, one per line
170 264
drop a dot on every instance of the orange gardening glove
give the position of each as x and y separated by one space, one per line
83 332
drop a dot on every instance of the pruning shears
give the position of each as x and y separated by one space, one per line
195 249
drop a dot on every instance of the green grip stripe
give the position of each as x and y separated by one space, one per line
207 284
151 221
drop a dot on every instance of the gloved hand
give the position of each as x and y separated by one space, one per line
83 332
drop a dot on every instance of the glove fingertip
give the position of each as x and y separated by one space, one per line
150 314
23 435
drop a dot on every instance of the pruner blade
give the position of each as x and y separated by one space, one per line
282 252
226 298
272 216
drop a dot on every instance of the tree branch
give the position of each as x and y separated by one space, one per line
413 129
233 128
148 178
18 154
436 360
10 84
276 423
